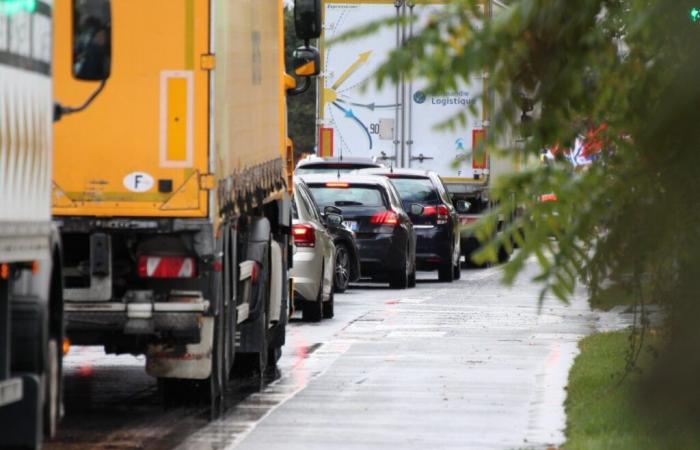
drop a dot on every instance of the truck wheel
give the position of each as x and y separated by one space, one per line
312 311
399 279
52 381
328 306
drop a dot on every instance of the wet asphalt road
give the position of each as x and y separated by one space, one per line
470 364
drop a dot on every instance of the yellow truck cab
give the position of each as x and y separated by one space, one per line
171 191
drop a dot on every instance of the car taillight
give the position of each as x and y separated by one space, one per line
441 211
304 235
166 267
385 218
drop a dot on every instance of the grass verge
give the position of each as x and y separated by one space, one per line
602 414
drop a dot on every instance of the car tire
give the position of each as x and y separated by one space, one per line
312 311
399 278
412 279
341 275
503 255
328 307
458 270
446 273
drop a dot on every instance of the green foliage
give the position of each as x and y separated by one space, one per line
301 117
603 414
633 215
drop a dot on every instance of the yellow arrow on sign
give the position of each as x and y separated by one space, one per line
361 59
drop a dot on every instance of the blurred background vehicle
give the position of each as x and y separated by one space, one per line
437 227
347 255
315 164
372 209
314 257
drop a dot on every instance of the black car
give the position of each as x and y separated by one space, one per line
372 209
334 164
437 225
347 255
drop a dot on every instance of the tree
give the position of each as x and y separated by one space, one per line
632 217
301 116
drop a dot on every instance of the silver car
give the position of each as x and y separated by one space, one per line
314 257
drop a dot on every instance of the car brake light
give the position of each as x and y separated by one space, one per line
337 185
441 211
385 218
166 267
304 235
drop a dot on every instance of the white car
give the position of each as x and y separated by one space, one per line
314 258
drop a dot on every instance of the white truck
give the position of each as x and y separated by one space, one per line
397 123
31 328
31 301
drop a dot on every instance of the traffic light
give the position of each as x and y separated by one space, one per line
695 15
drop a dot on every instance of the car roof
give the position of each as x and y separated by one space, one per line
352 178
319 161
395 171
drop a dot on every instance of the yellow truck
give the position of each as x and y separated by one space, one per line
171 192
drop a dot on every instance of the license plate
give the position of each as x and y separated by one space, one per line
352 225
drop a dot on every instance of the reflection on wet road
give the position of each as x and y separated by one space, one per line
464 365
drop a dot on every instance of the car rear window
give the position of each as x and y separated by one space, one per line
352 195
325 168
416 189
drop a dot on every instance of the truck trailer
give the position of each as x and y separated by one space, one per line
171 193
397 122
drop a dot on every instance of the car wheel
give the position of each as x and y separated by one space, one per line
399 278
446 272
458 271
328 307
341 279
412 279
312 311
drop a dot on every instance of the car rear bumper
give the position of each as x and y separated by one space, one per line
379 253
307 272
433 245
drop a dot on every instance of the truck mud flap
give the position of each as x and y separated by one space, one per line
190 361
21 422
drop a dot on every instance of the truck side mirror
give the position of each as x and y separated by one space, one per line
307 62
307 19
92 39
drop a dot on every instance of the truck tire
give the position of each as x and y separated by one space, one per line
312 310
52 389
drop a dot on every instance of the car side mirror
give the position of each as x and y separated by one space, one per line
92 39
334 220
416 209
330 209
307 62
462 206
307 19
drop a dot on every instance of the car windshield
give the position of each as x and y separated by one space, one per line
420 190
347 196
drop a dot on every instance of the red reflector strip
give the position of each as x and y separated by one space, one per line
166 267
